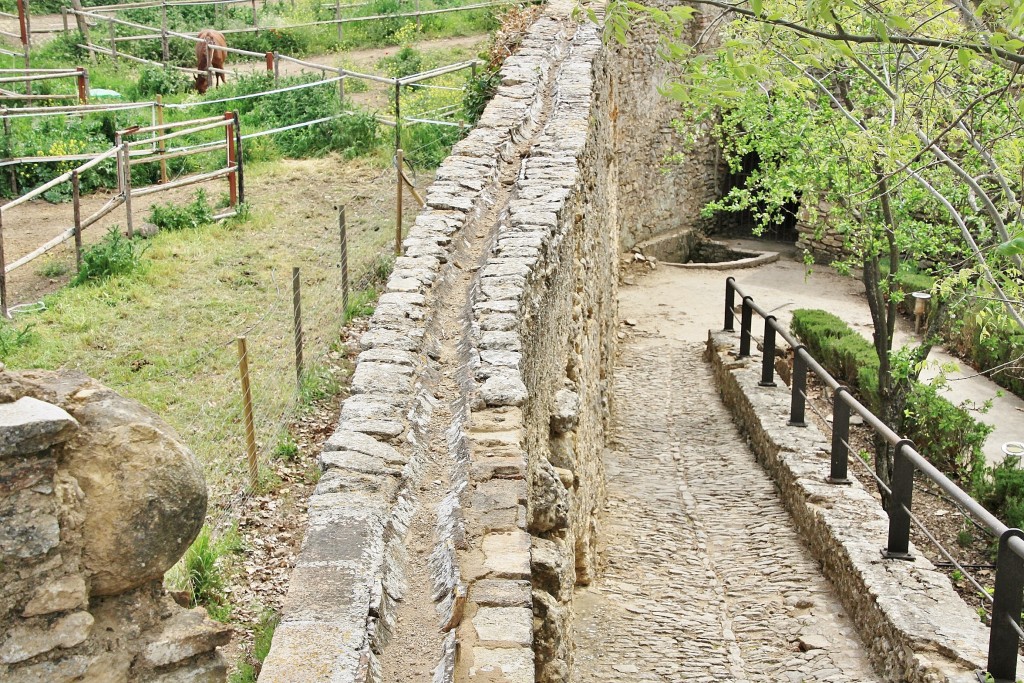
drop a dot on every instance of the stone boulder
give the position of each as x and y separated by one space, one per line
144 491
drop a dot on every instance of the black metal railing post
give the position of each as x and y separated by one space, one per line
768 361
902 486
746 320
840 438
798 384
1004 640
730 303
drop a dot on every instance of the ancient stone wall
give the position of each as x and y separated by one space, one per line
98 498
658 198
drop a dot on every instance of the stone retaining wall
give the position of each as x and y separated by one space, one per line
915 626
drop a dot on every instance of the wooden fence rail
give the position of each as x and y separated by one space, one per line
125 192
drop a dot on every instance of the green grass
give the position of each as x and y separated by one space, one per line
202 572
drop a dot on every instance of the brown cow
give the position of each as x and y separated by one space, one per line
209 38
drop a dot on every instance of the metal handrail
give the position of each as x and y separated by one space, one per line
1004 639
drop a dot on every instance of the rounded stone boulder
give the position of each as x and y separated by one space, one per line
145 494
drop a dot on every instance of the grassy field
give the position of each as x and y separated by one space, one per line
165 334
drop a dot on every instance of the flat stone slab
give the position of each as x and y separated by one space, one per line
29 425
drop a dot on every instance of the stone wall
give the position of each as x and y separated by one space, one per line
658 197
98 498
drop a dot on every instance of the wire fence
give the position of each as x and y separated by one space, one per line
1009 583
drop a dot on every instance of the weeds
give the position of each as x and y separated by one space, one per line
201 574
192 215
53 268
360 305
249 668
114 255
12 338
286 448
318 383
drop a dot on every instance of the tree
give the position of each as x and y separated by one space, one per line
902 119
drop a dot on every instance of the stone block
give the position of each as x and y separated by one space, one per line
185 635
27 640
29 425
502 593
495 625
321 651
507 554
502 665
209 669
500 390
60 595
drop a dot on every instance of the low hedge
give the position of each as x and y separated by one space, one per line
945 434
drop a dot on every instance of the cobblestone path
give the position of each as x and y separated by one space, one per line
704 579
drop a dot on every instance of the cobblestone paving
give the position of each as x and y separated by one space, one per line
705 578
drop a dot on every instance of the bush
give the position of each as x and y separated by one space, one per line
945 434
114 255
192 215
981 332
1001 490
155 81
479 92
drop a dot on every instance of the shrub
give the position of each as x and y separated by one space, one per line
945 434
155 81
192 215
1001 490
479 92
114 255
406 62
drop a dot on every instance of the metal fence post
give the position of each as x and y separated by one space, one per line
1003 640
768 361
840 438
730 303
344 261
297 323
746 320
902 487
798 384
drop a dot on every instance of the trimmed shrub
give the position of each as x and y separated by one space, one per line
1001 490
945 434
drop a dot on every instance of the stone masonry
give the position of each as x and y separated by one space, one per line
98 498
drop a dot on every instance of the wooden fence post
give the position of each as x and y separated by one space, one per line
7 132
270 62
277 68
76 195
239 158
341 89
161 144
337 18
344 262
83 86
229 135
165 48
250 424
25 34
398 114
64 18
126 169
113 42
83 28
297 323
3 272
255 23
398 204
